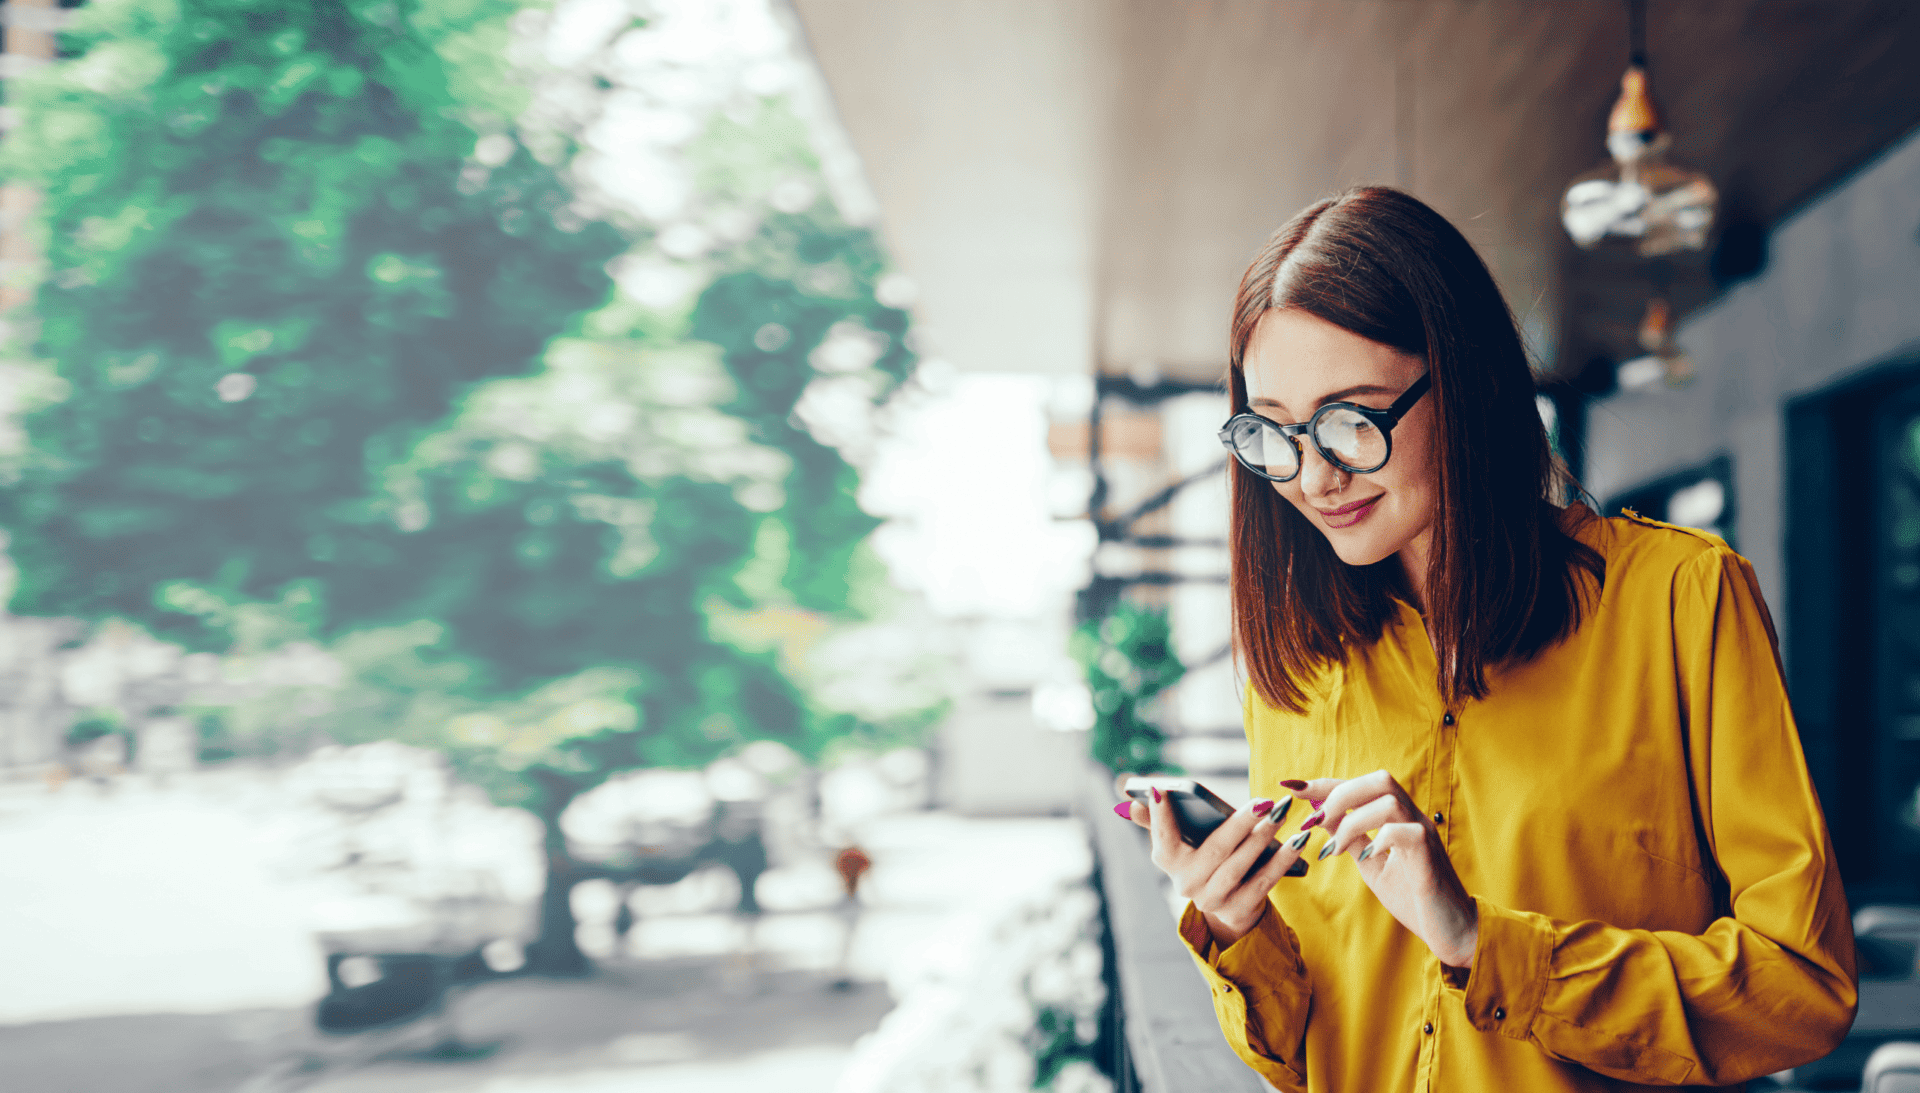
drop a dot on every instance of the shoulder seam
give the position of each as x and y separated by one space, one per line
1652 523
1648 521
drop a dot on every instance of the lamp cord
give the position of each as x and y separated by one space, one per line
1637 34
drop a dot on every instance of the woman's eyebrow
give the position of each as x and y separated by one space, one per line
1334 396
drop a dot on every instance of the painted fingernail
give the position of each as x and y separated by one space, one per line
1124 810
1316 803
1364 851
1281 812
1294 784
1261 807
1313 821
1327 850
1294 844
1155 791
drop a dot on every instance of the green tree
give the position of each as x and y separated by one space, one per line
278 323
1128 659
272 263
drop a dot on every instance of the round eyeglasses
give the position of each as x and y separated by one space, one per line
1357 439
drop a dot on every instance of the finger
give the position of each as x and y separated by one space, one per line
1243 901
1355 792
1358 821
1234 868
1222 841
1315 790
1138 811
1166 829
1390 838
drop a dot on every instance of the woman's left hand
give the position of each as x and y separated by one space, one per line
1407 866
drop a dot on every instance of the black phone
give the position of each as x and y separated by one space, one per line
1198 811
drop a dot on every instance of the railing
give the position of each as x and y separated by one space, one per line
1163 1036
1160 1034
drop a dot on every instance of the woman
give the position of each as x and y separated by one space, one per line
1580 850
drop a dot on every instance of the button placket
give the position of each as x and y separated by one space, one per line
1427 1053
1446 759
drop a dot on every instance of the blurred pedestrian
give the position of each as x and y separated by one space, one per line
103 759
1583 851
852 863
738 844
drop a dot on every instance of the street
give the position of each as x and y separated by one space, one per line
156 943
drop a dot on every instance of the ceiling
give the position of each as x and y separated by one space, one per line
1078 184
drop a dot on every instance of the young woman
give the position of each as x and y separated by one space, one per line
1579 847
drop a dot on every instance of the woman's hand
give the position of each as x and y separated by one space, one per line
1405 863
1214 874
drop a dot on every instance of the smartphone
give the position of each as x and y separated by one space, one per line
1198 810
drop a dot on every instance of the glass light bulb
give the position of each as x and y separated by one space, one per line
1638 195
1663 207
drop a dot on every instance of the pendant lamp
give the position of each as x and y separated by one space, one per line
1665 360
1638 195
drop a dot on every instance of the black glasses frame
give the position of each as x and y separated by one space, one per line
1384 420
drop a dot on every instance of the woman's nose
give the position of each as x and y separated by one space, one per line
1317 476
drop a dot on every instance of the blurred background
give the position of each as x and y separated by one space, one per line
621 544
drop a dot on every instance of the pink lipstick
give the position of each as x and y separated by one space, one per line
1348 515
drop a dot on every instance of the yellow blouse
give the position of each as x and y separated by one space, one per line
1659 903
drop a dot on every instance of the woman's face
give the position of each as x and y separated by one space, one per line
1298 362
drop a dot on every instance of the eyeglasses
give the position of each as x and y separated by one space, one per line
1357 439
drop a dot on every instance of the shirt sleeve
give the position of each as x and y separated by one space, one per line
1770 985
1260 994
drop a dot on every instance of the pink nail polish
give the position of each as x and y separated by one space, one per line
1294 784
1124 810
1155 790
1315 803
1261 807
1313 821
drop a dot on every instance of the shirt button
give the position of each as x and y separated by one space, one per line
1447 720
1427 1028
1499 1014
1439 818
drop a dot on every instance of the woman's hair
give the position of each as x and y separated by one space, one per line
1503 581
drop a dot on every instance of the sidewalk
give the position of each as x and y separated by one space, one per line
156 954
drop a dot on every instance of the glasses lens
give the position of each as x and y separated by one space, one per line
1354 442
1264 449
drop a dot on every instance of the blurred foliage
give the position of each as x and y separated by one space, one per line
287 279
94 724
1128 658
1057 1040
336 366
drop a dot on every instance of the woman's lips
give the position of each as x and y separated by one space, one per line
1348 515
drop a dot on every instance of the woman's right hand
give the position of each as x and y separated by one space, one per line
1211 874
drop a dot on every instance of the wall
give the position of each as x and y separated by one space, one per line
995 759
1840 293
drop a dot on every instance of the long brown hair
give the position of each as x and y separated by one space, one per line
1504 579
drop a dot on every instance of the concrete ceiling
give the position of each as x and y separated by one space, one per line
1078 184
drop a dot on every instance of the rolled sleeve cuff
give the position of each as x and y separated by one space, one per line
1243 964
1511 960
1259 1016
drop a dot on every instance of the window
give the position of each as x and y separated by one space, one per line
1698 497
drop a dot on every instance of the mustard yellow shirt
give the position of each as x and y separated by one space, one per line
1659 903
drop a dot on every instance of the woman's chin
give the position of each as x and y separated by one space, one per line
1359 550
